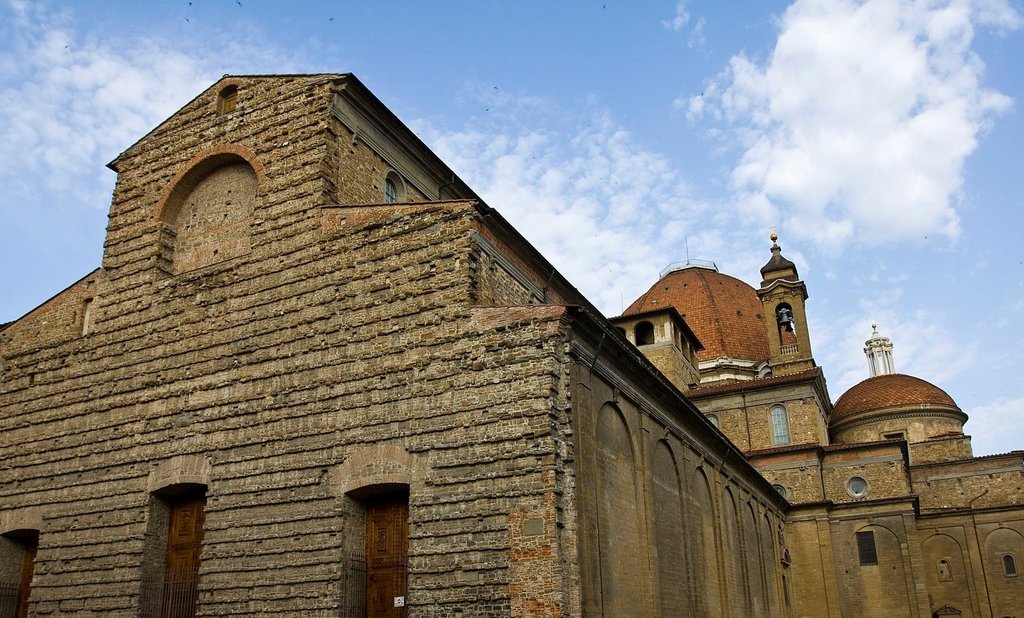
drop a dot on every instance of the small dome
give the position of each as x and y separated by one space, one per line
895 390
724 312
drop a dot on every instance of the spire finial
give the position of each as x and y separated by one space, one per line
773 236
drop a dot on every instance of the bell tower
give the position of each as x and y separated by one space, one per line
783 294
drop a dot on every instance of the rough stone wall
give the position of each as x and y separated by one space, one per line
984 482
948 568
280 127
916 427
670 361
644 475
337 353
278 378
883 467
889 587
745 416
797 471
949 448
813 585
973 546
360 170
494 284
60 319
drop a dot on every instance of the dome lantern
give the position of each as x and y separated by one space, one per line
878 349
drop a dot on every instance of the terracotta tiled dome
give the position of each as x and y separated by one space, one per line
891 391
724 312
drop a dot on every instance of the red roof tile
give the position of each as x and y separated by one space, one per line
889 391
724 312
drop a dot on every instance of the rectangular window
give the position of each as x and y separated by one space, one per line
866 548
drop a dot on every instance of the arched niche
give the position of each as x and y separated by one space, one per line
206 212
618 516
705 548
669 532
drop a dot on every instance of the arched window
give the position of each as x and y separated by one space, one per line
227 100
780 425
944 573
713 419
390 192
394 188
644 333
1009 566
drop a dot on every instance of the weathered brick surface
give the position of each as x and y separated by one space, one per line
322 340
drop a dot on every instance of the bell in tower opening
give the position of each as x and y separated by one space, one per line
785 319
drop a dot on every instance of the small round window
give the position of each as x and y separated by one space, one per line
713 419
857 487
781 490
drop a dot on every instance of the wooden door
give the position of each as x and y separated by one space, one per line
184 542
28 562
387 549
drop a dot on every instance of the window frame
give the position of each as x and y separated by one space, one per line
867 549
227 99
854 493
394 188
778 419
1009 561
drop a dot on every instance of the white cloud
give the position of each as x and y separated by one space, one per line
697 37
922 346
682 17
860 121
606 212
71 104
989 424
70 101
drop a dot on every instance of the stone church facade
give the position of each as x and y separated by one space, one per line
316 375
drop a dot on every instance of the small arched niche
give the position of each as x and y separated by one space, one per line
644 333
207 214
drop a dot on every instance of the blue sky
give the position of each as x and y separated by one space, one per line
881 138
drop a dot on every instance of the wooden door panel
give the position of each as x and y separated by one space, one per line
184 544
28 561
387 549
186 528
